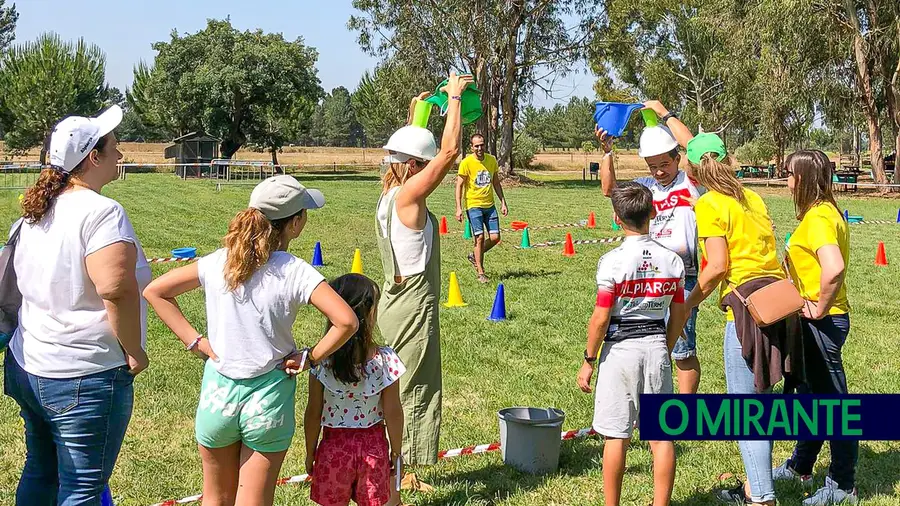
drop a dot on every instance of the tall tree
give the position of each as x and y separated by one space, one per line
8 19
512 47
232 84
340 125
70 78
381 99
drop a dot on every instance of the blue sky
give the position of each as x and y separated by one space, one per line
124 29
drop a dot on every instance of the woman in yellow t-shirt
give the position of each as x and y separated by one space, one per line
818 254
738 246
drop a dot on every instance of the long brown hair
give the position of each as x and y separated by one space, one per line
250 241
361 294
812 179
718 175
50 184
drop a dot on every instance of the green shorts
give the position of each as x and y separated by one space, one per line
259 411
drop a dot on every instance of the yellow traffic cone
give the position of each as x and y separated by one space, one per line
356 268
454 294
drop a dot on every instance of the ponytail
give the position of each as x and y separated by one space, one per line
40 197
52 181
250 241
396 175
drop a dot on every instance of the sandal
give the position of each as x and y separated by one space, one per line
471 259
483 279
734 495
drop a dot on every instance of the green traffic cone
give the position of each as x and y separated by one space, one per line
526 239
467 232
615 226
787 240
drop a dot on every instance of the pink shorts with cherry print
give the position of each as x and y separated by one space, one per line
352 464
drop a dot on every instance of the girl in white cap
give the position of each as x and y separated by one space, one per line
410 253
82 325
253 289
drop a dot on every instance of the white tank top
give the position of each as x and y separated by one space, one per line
412 248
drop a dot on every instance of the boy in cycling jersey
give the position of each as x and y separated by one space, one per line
637 284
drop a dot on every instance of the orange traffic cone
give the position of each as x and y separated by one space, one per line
880 255
443 229
569 248
592 220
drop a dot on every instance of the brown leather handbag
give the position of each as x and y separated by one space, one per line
772 303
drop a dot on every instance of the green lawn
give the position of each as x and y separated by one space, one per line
530 360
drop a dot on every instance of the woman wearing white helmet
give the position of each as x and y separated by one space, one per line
411 256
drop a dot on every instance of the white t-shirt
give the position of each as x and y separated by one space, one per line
64 331
250 328
675 225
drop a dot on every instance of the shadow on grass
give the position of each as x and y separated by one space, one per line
876 472
524 274
571 184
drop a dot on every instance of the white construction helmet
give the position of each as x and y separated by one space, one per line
411 142
656 140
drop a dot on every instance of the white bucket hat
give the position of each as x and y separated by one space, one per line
74 137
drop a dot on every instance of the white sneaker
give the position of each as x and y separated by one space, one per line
785 473
830 494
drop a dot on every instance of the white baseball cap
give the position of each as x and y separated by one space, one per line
283 196
656 140
74 137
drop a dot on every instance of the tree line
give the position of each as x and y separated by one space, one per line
768 75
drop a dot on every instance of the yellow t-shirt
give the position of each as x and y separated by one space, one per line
752 253
822 225
479 176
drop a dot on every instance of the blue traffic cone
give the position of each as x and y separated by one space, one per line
498 313
846 215
898 215
106 498
317 256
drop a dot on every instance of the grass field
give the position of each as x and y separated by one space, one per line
530 360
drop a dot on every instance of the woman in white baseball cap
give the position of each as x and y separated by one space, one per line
410 253
253 289
82 326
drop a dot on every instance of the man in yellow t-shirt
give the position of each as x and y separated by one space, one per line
478 176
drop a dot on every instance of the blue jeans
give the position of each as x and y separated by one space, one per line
73 433
757 455
687 348
481 217
822 343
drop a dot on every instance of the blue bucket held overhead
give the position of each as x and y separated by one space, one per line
613 116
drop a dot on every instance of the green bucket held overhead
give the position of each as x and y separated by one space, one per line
471 102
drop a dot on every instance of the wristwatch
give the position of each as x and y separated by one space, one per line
671 114
589 359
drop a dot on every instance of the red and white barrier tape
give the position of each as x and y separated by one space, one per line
173 259
607 240
539 227
446 454
875 222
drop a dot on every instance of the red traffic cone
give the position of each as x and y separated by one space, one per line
880 255
592 220
443 229
569 248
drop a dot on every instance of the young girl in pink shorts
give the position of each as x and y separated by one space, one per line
353 396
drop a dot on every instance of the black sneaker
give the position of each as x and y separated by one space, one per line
734 495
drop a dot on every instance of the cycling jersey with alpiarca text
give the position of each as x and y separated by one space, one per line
638 281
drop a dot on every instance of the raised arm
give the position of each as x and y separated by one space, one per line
679 130
607 163
424 182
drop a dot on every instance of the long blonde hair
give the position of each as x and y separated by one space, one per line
719 176
250 241
396 175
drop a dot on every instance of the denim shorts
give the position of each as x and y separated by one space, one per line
687 347
479 217
259 411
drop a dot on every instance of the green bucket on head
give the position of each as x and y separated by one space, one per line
470 108
650 118
421 113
